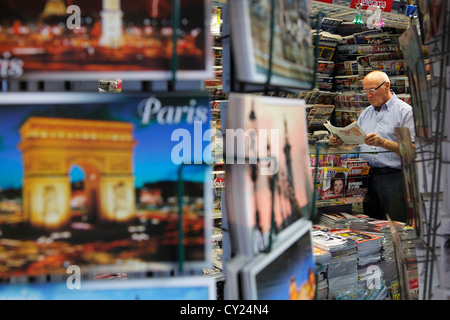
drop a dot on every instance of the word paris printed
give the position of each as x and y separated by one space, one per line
105 38
87 179
261 204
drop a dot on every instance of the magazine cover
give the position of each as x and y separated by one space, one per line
285 273
357 186
81 39
334 182
345 117
410 179
319 114
90 179
359 236
173 288
269 183
292 50
417 76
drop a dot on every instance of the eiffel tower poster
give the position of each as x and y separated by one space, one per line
260 205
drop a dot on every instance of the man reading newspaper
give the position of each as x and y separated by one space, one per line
378 120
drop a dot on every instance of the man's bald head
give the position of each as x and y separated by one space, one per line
378 80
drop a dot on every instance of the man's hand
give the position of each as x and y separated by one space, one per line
335 141
372 139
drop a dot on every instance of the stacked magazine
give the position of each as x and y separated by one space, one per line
388 260
342 271
362 292
372 225
380 227
339 220
322 263
337 245
368 249
368 246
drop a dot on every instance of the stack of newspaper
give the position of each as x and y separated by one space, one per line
372 225
388 260
362 292
339 220
342 271
368 245
322 258
380 227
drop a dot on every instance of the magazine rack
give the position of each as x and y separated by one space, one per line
322 148
431 151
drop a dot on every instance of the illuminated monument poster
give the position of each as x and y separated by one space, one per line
89 179
132 40
103 150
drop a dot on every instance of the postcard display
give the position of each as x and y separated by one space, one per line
103 185
269 204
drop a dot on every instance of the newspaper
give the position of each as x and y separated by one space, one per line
351 134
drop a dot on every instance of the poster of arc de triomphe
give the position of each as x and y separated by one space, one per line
88 179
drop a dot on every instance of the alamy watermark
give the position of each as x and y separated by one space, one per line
241 147
374 279
74 21
74 280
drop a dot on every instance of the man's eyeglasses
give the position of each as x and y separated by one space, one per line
372 90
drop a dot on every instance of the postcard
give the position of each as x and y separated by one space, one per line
102 39
285 273
292 62
269 185
91 179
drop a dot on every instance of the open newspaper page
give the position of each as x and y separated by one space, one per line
351 134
